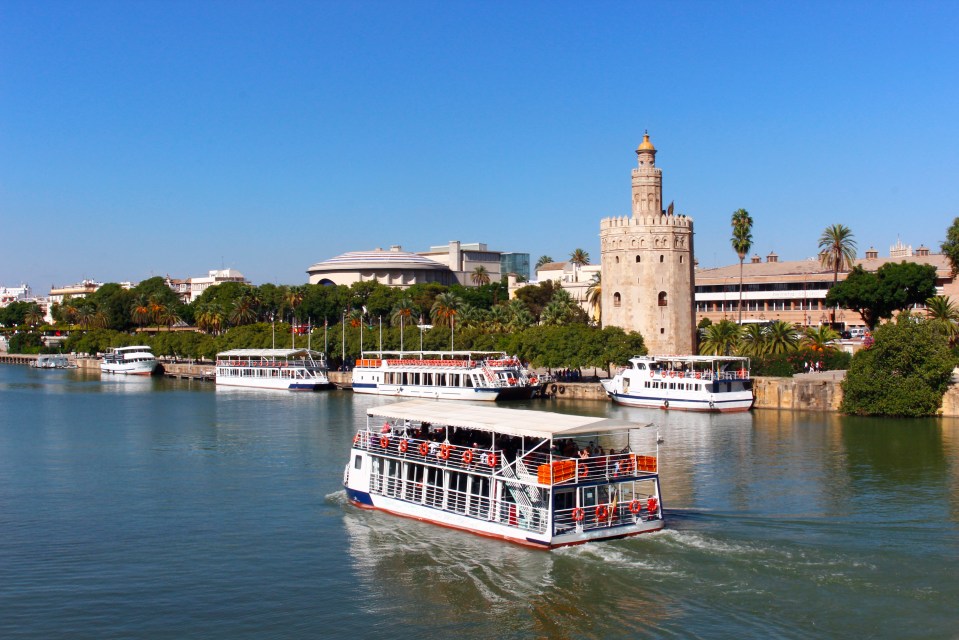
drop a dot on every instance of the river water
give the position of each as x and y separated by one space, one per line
169 509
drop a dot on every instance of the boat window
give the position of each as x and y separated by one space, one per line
564 500
358 462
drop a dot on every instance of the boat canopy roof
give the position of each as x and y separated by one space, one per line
513 422
695 359
267 353
432 354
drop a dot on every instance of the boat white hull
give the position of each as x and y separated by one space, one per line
675 400
129 369
634 525
722 405
419 391
276 384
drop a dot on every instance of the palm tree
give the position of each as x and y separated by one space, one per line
158 310
84 315
294 298
210 317
444 310
742 241
578 258
243 311
721 338
520 316
355 316
498 319
837 252
404 309
559 310
33 315
480 276
140 312
781 337
819 338
594 296
943 312
543 260
752 341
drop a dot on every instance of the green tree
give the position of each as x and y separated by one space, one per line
543 260
721 338
594 296
33 315
950 247
403 313
943 313
837 251
819 338
893 287
444 310
578 258
536 296
480 276
904 373
781 337
742 242
752 340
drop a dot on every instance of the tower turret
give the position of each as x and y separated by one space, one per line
647 181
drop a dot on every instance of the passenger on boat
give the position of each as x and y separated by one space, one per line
584 453
434 447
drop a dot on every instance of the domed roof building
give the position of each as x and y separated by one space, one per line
394 268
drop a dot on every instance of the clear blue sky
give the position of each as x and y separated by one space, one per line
152 138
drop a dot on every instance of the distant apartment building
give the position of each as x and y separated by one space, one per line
15 294
795 291
79 290
192 288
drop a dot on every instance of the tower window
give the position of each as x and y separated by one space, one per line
639 259
681 259
617 259
662 258
662 299
617 299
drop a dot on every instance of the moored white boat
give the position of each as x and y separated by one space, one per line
54 361
689 383
284 369
134 361
444 375
511 474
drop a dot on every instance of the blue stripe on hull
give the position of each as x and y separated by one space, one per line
359 497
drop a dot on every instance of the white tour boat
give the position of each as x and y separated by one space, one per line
285 369
444 375
135 361
690 383
531 477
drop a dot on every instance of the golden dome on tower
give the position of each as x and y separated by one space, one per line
645 145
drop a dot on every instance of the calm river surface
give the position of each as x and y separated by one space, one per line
168 509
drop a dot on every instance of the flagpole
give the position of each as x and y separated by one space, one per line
381 335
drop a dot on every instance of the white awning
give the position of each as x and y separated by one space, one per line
267 353
513 422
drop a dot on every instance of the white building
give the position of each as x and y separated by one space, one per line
14 294
196 286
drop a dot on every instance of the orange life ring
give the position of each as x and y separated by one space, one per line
445 451
404 445
468 456
424 448
583 470
698 375
650 373
491 460
602 512
635 506
651 505
511 381
682 374
356 438
578 514
384 442
672 374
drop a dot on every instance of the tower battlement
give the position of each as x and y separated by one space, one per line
661 220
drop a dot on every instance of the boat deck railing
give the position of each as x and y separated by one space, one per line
549 470
606 515
314 364
679 374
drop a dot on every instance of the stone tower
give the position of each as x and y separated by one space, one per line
647 265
